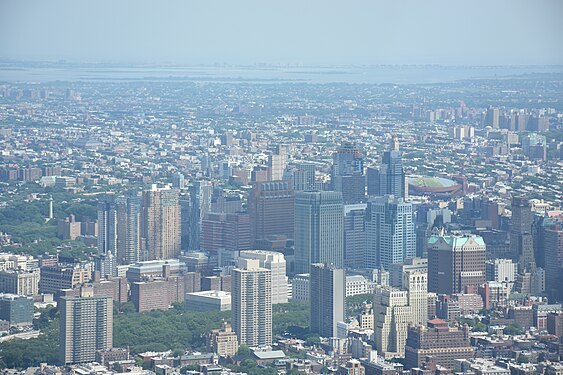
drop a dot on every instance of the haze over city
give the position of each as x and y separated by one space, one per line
281 187
481 32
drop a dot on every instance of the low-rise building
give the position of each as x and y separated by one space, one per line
209 300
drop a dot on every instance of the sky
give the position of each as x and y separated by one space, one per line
308 32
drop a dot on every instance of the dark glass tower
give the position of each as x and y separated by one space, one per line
391 173
348 173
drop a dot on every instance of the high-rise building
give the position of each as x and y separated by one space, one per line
348 173
392 315
252 303
160 223
319 229
304 177
397 270
327 298
416 283
389 179
456 263
521 239
107 226
443 343
270 206
354 235
492 118
225 234
553 244
128 241
390 236
275 262
86 325
200 204
277 162
501 270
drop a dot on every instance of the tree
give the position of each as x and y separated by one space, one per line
243 349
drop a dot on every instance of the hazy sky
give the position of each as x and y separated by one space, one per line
473 32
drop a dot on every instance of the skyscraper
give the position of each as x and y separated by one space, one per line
160 223
319 229
416 284
354 235
304 177
553 243
128 242
327 298
86 325
252 303
455 263
107 226
275 262
276 163
389 179
271 205
392 315
348 173
390 236
200 204
521 239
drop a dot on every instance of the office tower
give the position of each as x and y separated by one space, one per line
456 263
225 234
392 315
200 204
501 270
276 163
521 239
86 325
347 174
416 284
304 177
17 310
107 226
390 236
397 270
327 293
270 206
160 223
553 242
222 203
443 343
128 241
354 235
389 179
319 229
252 303
275 262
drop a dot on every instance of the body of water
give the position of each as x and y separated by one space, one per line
257 74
